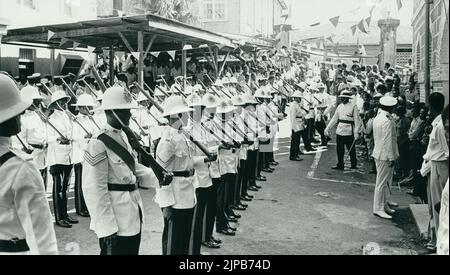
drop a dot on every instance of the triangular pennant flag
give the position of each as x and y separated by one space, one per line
368 21
399 4
361 26
75 45
90 50
172 54
136 55
330 39
353 28
63 41
335 21
50 35
315 24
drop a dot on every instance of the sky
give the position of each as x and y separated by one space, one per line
308 12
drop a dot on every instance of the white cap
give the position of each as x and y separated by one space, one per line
249 99
194 100
225 107
346 94
58 95
297 94
117 98
238 101
388 101
210 101
85 100
31 92
261 94
175 105
11 104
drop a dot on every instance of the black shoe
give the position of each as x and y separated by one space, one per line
261 179
274 163
232 228
301 153
296 159
63 224
254 189
71 220
227 232
257 186
239 208
243 205
216 240
267 170
237 216
232 220
211 245
245 199
84 214
249 196
338 168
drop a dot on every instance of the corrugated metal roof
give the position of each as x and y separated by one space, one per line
104 33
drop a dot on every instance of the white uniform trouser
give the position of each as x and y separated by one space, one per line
385 175
438 179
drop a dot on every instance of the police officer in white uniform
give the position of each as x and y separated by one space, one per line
297 119
34 132
110 176
385 154
60 156
348 124
25 219
83 131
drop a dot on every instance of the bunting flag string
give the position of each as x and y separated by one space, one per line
368 21
90 50
63 41
75 45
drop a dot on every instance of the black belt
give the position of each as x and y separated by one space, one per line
184 174
346 121
37 146
14 246
122 187
299 117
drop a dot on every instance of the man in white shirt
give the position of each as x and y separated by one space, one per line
442 236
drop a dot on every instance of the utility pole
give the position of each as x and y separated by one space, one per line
427 50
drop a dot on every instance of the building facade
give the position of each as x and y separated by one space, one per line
24 59
242 17
439 46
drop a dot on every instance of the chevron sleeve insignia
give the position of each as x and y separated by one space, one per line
94 160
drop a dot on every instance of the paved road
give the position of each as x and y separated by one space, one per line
304 208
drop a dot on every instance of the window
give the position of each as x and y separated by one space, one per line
214 10
32 4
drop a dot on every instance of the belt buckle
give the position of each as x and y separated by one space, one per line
14 242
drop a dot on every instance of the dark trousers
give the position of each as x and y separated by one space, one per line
120 246
239 182
260 163
221 215
211 210
415 155
310 128
252 159
61 178
177 232
245 178
230 191
199 219
295 145
44 177
283 105
342 142
80 204
403 161
306 140
320 127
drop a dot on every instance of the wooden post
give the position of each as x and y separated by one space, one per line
183 63
52 62
111 65
141 58
427 47
216 58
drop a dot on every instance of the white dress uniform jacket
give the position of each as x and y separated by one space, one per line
385 137
59 153
24 210
297 117
345 112
227 158
113 212
34 131
79 144
202 178
213 145
175 154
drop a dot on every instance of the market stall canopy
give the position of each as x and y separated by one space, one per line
122 32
